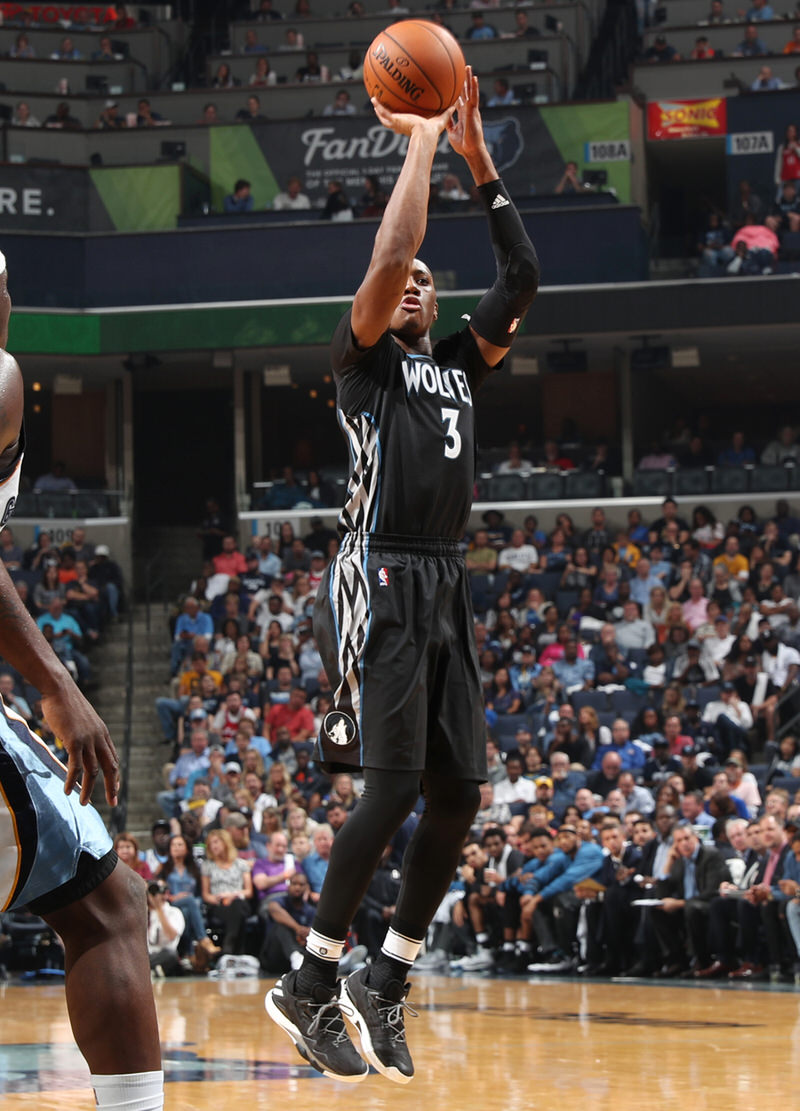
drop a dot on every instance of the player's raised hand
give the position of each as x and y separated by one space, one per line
87 741
405 123
466 132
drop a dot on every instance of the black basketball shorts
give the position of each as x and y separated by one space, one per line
393 622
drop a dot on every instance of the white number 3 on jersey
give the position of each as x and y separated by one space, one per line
452 439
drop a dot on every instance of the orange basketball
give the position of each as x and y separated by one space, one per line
415 66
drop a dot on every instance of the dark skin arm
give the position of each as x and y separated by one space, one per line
89 747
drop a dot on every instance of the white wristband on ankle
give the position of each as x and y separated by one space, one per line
133 1091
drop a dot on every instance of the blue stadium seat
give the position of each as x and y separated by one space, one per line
704 695
598 700
607 717
505 487
627 704
589 484
565 600
786 783
692 481
638 656
505 730
547 581
764 478
479 589
545 487
652 484
729 480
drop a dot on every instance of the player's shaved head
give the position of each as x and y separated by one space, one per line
11 403
5 302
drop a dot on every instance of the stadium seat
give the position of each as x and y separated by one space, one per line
479 589
547 581
505 730
764 478
607 718
692 482
638 656
704 695
627 704
506 487
729 480
598 700
652 484
592 484
565 600
545 487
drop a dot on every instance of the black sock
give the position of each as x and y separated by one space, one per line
315 970
386 969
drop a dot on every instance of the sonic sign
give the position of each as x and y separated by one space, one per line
686 119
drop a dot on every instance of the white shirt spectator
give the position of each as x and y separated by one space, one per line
717 648
777 667
156 937
524 790
283 202
518 559
737 710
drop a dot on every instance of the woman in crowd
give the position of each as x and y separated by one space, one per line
743 782
286 538
127 849
182 876
557 553
502 697
263 76
590 730
774 547
657 610
48 588
302 596
786 760
579 571
223 78
283 654
706 529
227 889
280 787
673 701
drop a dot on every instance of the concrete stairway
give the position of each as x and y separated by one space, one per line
150 671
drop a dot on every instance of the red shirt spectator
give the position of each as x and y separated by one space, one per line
230 561
293 715
757 237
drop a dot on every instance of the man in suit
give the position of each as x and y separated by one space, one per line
725 906
761 908
694 878
611 922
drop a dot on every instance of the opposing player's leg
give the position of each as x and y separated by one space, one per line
375 997
305 1003
109 997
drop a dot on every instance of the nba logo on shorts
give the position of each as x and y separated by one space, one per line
383 576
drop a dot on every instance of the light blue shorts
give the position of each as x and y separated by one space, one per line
48 841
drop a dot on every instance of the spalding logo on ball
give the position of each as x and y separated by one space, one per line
415 66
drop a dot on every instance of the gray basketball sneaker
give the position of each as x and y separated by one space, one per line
315 1025
379 1019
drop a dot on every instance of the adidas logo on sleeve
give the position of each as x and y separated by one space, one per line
499 202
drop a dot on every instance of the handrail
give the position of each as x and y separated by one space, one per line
119 815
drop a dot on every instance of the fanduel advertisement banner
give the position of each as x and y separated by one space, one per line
529 146
686 119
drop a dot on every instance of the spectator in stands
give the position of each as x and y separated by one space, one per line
56 480
766 81
65 637
515 463
337 207
251 113
353 69
240 200
785 213
210 115
61 119
759 12
110 119
223 78
125 21
230 561
395 8
702 51
293 40
748 202
738 454
523 28
312 72
23 117
783 449
633 631
372 203
751 45
227 888
145 116
266 13
451 189
341 105
480 30
661 51
22 47
67 52
262 76
716 13
251 43
570 181
793 45
293 198
191 623
715 248
503 94
106 51
518 556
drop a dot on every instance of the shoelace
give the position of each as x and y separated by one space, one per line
391 1014
328 1020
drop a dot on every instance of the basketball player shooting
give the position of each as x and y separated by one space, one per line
55 854
393 616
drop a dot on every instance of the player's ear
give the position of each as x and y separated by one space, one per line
436 310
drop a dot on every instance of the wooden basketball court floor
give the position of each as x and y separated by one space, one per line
478 1045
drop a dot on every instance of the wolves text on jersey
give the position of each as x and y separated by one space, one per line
450 384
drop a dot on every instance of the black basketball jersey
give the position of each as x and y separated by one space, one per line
409 423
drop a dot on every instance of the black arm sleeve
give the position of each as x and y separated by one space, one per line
500 310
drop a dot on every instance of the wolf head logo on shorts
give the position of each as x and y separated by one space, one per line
339 728
383 576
